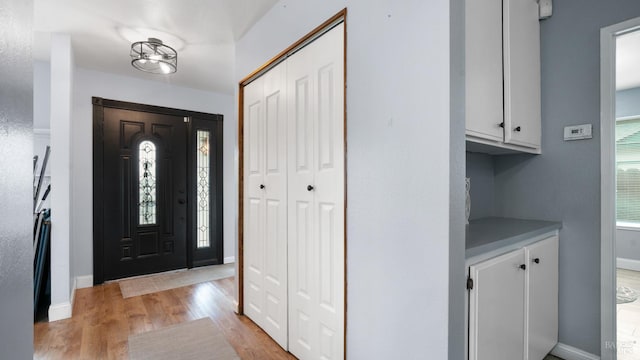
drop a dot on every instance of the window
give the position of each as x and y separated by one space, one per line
628 172
204 178
147 183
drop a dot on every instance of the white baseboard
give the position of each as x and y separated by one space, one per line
570 353
60 311
85 281
229 259
629 264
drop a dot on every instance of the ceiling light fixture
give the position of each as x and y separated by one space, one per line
154 57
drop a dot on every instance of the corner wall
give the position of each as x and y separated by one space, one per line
398 131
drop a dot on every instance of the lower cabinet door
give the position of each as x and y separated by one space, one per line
542 298
497 308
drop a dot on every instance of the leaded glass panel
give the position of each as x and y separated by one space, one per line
204 179
147 183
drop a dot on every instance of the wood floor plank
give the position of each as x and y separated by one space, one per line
102 322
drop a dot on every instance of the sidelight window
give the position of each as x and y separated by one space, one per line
204 179
147 183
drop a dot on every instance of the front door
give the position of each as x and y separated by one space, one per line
144 193
157 189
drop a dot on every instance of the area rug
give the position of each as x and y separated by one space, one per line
171 280
194 340
625 295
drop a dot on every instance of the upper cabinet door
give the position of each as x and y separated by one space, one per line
521 34
483 67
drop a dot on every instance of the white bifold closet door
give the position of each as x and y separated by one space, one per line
265 203
315 87
294 187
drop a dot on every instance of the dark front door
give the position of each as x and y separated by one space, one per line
144 193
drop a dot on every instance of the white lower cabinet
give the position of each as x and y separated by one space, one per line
513 303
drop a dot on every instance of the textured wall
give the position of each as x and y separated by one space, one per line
16 154
563 183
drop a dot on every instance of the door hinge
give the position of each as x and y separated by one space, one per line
469 283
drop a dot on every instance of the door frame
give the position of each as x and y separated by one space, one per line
608 326
339 17
98 171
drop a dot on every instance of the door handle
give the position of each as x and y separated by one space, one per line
309 188
182 201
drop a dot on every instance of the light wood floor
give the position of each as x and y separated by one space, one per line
628 318
102 322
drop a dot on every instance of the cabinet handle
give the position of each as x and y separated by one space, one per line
523 267
517 129
536 260
261 186
309 188
501 124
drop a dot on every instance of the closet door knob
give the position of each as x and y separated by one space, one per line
309 188
261 186
523 267
536 260
517 129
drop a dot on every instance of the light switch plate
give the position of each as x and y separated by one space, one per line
546 9
578 132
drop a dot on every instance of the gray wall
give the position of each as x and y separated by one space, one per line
398 166
628 102
16 153
481 171
564 182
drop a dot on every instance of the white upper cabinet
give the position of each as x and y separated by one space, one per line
503 74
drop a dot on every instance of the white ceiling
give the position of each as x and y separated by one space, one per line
202 31
628 61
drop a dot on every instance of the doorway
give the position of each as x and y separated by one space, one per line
157 180
620 209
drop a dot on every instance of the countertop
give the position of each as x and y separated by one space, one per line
493 233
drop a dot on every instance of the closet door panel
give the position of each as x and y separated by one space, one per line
329 192
316 85
265 229
302 242
254 207
275 192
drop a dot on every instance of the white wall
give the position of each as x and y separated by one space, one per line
398 125
90 83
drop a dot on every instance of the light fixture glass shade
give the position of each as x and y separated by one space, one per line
154 57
